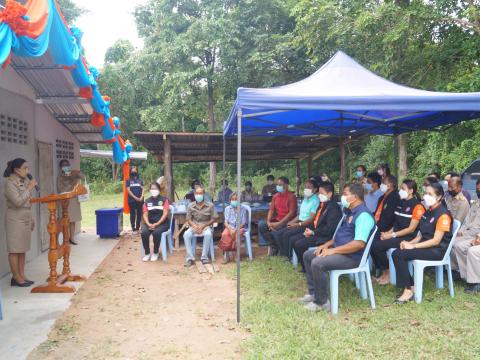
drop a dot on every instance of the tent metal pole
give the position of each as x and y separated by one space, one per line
223 172
239 207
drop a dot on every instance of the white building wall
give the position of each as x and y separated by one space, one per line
17 101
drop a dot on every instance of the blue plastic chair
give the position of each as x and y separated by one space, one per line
166 237
212 246
362 271
420 265
247 234
294 254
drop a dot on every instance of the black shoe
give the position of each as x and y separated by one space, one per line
30 282
403 302
456 275
472 289
189 263
73 242
14 282
205 261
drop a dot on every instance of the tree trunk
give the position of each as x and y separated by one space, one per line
168 169
211 128
402 156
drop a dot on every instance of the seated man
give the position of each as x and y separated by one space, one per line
324 224
224 193
248 194
297 226
283 209
191 194
201 214
269 189
450 175
457 203
343 252
466 249
373 192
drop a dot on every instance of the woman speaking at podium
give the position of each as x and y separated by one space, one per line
19 222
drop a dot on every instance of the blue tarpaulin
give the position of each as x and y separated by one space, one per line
344 99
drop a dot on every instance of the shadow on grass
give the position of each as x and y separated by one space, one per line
438 328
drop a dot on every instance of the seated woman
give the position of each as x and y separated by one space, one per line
228 242
324 223
407 217
430 244
155 221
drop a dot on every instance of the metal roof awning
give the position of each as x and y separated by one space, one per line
205 147
56 90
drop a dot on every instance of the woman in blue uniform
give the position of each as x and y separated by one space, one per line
430 244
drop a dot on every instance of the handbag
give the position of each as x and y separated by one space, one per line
85 197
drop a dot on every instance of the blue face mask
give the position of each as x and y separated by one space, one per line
280 188
198 198
359 174
234 203
368 187
344 201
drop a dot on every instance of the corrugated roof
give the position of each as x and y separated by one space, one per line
56 90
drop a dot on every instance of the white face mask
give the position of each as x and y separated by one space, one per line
155 192
323 198
383 188
380 172
307 192
324 178
403 194
429 200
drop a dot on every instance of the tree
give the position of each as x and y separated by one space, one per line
71 11
119 52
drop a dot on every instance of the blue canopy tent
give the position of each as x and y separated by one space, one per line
341 99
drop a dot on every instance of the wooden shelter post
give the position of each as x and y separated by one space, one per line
310 165
297 175
342 164
168 172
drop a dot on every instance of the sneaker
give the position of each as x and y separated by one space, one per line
326 306
154 257
146 258
307 298
313 307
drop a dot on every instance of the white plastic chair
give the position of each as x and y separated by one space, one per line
247 236
363 270
294 254
166 236
420 265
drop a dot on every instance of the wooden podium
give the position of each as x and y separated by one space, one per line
55 283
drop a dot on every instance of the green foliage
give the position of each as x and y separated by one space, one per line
71 11
120 51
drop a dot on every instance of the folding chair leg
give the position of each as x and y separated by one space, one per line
418 281
391 267
212 250
439 276
334 293
450 280
357 280
294 258
170 242
248 244
370 289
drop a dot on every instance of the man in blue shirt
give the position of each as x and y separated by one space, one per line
343 252
373 191
297 226
224 193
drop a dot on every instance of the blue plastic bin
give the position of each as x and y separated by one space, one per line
109 222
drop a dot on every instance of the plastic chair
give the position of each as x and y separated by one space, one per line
420 265
294 254
362 271
246 234
166 236
212 246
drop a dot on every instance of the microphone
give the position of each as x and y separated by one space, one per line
30 177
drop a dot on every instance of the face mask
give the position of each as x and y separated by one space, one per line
248 188
198 198
403 194
307 192
359 174
154 192
383 188
270 182
322 198
429 200
345 202
280 188
234 203
324 178
444 184
133 174
66 170
368 187
380 172
453 193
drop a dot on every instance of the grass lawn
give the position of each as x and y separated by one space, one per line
99 202
438 328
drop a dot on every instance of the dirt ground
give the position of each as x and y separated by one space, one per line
129 309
